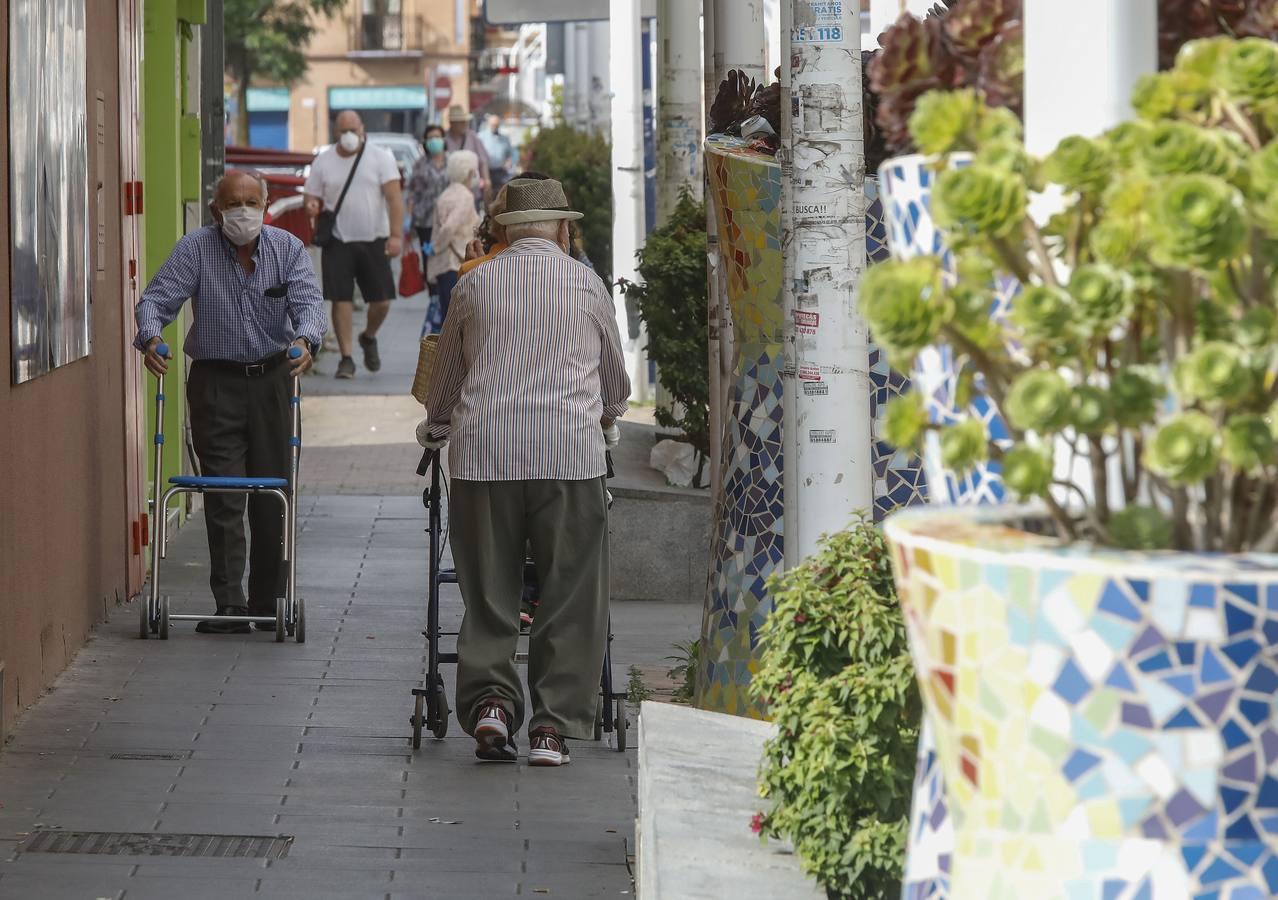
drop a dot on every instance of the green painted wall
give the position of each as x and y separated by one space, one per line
170 153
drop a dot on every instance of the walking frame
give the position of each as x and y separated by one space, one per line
290 610
430 701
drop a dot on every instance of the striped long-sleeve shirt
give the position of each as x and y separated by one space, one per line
529 362
238 316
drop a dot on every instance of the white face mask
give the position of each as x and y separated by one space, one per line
242 225
349 141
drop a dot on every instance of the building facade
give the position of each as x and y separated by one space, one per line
399 63
89 214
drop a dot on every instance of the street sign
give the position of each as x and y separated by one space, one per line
443 92
522 12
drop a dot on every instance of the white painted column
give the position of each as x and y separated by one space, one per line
772 33
570 73
739 39
627 169
679 104
1119 42
884 12
716 406
581 41
601 80
829 473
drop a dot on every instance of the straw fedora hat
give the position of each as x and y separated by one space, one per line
535 201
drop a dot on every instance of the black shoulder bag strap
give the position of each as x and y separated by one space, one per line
349 178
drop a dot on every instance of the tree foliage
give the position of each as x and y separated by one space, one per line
582 162
672 302
267 39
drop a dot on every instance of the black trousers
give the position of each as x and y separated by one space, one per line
240 426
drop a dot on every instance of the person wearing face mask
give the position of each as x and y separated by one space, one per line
455 222
427 181
462 137
254 295
359 183
528 369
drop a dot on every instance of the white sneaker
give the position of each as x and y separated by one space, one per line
547 748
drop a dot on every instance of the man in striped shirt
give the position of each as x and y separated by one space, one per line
528 382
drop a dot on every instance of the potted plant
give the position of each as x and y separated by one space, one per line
1099 668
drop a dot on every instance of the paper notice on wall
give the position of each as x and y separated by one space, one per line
809 372
806 321
816 389
822 436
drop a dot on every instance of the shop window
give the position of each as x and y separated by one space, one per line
48 186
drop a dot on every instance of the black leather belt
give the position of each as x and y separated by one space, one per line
248 370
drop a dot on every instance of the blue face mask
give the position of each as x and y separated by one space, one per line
434 146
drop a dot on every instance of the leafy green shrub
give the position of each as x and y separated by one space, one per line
672 303
582 162
836 672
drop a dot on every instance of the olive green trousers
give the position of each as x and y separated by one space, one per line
566 523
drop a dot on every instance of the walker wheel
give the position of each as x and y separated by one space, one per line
144 617
281 614
417 720
164 618
299 628
439 721
621 725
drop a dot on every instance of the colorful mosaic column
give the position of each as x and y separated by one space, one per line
749 528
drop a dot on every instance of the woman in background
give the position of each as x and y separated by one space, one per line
428 181
454 225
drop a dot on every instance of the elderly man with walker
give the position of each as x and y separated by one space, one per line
528 381
258 319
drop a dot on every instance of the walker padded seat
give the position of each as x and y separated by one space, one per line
228 481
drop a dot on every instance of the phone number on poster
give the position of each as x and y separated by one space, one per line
817 35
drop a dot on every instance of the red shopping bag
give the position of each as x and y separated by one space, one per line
410 273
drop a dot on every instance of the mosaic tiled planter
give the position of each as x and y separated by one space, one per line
1105 722
905 183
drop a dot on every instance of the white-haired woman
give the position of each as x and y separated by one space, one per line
455 222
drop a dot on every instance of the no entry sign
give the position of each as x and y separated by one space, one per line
443 92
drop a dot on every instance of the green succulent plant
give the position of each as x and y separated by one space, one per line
1141 528
1249 70
1144 338
981 199
964 445
1247 442
1185 449
1197 223
906 300
1079 164
1039 401
904 421
1027 471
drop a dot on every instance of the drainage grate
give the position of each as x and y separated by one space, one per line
122 843
181 754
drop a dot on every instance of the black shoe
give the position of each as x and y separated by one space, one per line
372 357
345 368
212 626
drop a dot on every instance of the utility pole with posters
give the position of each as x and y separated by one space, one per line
829 473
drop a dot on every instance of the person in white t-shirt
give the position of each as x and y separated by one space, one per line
366 236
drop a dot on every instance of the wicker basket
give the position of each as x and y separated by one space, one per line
425 365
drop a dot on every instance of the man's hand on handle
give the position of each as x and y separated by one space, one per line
298 365
612 434
155 363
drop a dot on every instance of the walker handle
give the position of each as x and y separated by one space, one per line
162 351
294 352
